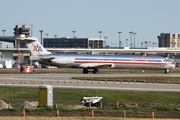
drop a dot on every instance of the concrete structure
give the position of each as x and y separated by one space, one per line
6 55
171 40
18 30
10 39
8 64
21 30
6 44
24 29
67 42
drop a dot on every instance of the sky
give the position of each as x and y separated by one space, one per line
147 18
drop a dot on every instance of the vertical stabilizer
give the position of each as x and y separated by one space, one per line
34 46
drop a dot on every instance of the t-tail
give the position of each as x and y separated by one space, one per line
35 47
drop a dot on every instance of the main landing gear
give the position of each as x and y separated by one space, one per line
95 71
166 71
85 71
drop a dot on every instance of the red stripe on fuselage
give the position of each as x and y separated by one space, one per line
124 62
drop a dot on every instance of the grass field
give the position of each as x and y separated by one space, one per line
99 110
73 97
171 80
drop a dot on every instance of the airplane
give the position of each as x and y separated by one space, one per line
94 61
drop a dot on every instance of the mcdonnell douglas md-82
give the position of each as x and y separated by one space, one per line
95 62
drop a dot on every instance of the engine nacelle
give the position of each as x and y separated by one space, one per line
67 60
113 66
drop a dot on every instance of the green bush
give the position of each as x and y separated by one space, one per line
13 110
28 110
82 110
175 109
164 108
65 110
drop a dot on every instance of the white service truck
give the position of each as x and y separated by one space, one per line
93 100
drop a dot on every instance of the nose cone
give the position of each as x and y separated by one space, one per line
171 66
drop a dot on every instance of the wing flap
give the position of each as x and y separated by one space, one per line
41 57
47 57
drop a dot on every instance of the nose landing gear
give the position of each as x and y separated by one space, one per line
166 71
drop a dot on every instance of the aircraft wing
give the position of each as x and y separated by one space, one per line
47 57
42 57
96 65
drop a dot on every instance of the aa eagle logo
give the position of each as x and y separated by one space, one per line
37 48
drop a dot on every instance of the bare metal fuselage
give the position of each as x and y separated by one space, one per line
110 61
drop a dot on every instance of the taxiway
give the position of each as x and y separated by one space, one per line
57 81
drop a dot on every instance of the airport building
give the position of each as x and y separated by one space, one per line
67 42
24 29
6 55
10 39
169 40
8 45
18 30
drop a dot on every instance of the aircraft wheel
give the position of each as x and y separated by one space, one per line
85 71
95 71
166 71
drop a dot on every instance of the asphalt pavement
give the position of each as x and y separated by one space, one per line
57 81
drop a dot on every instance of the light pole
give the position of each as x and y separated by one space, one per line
149 43
119 39
105 41
155 44
41 36
46 35
32 30
134 39
142 44
177 42
112 44
146 44
126 42
100 37
120 44
73 34
3 32
130 39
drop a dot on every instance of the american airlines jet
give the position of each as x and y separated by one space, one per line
95 62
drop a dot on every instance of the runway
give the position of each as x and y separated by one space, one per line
57 81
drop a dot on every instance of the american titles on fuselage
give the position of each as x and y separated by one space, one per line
143 58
